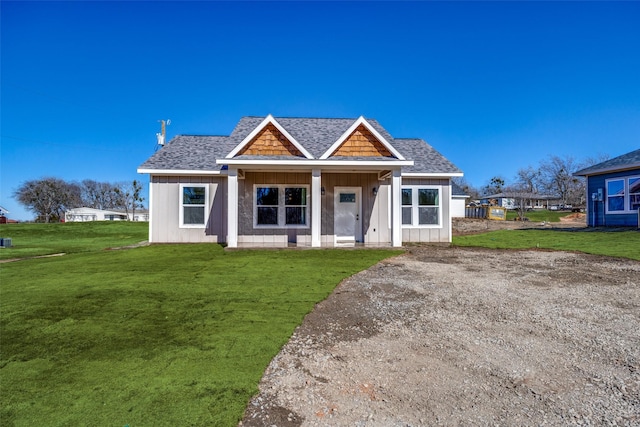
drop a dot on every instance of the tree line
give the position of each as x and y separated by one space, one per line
553 176
48 198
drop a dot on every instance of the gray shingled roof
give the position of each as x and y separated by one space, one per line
190 152
626 161
316 135
426 158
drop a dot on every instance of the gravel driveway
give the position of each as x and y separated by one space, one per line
460 336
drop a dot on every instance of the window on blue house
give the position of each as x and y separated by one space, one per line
615 195
634 193
623 195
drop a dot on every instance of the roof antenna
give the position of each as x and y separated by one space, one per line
162 135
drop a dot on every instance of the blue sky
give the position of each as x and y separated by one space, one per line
494 86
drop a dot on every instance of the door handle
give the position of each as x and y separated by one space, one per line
357 217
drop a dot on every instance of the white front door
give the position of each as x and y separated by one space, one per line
347 213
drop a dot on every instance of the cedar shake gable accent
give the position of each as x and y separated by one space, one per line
269 138
270 142
317 135
362 143
362 140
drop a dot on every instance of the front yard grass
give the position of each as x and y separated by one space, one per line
163 335
625 244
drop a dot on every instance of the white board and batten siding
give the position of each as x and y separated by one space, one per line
441 233
165 197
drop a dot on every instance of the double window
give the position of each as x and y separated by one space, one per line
194 202
623 194
421 206
280 206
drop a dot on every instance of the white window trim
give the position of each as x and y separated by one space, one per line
628 193
415 206
281 207
626 198
206 206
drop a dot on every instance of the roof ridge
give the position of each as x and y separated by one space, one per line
193 134
310 118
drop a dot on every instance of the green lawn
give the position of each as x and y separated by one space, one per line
163 335
44 239
539 215
625 244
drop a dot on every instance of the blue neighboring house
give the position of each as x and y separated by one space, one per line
613 191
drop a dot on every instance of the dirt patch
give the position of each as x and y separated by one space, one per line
574 217
461 336
461 226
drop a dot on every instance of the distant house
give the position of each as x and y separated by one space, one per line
499 199
91 214
311 182
510 200
613 191
458 201
3 215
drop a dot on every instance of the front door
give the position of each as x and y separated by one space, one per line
347 213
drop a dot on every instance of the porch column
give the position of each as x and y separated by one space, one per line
152 210
316 207
232 208
396 209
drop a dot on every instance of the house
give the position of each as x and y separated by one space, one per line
91 214
500 199
511 199
613 191
3 215
300 181
458 201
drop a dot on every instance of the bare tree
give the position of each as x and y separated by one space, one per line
556 175
99 195
129 196
528 179
48 197
469 189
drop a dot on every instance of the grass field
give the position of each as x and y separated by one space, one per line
161 335
625 244
44 239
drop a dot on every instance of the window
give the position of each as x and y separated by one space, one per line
421 206
193 205
407 203
279 206
295 200
267 205
428 206
634 193
615 195
623 195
